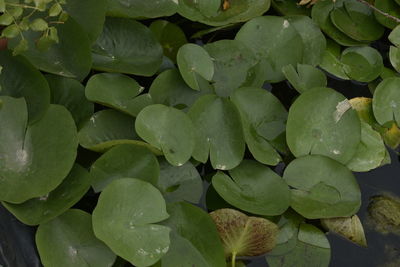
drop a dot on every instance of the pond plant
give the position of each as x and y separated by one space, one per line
195 132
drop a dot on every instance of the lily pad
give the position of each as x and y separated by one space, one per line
117 91
127 46
42 209
18 78
68 240
390 7
180 183
235 65
264 118
194 238
322 188
213 13
171 90
130 230
331 60
386 102
243 235
259 33
71 94
195 64
306 77
34 158
57 58
357 20
141 9
348 227
363 64
169 130
321 121
254 188
122 161
218 132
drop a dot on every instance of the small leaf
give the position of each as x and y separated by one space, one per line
39 25
21 47
44 43
348 227
10 31
243 235
55 10
6 19
2 5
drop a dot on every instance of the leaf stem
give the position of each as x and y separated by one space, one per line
380 11
233 259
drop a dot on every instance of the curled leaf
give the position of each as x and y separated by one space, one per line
348 227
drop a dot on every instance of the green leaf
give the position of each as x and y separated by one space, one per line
108 128
124 161
363 64
194 64
180 183
55 10
218 132
348 227
19 78
290 7
140 9
306 77
127 46
10 31
170 36
389 7
2 5
71 94
44 42
169 130
42 209
259 33
90 14
371 150
254 188
68 240
264 119
357 20
308 247
194 238
35 158
322 188
394 36
206 11
57 59
171 90
331 60
6 19
39 25
235 65
394 57
117 91
243 235
386 102
21 47
130 230
321 121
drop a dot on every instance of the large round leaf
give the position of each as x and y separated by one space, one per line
254 188
125 218
275 42
195 64
321 121
42 209
169 130
69 241
180 183
322 188
211 12
218 132
117 91
71 94
34 159
70 57
194 238
357 20
124 161
171 90
140 8
263 118
386 101
235 65
127 46
18 78
90 14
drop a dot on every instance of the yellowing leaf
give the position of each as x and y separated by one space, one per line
348 227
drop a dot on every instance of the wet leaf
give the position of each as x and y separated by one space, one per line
131 229
348 227
322 188
253 187
69 240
